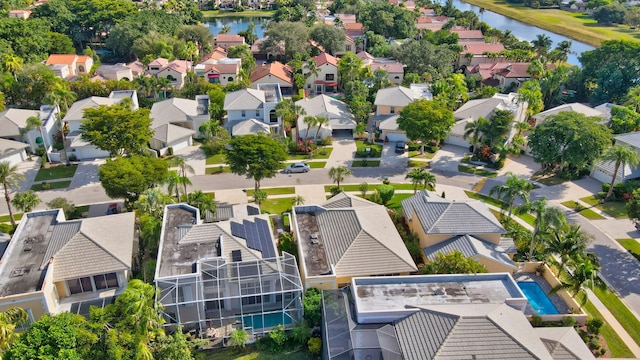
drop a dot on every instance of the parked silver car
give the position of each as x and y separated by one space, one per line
297 168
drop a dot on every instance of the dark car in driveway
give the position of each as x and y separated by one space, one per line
400 147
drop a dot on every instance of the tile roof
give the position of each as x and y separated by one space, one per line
172 110
181 66
244 99
365 55
12 120
345 200
442 216
420 335
394 96
137 68
353 26
480 49
325 58
169 133
471 246
468 34
229 38
563 343
632 139
159 62
577 107
66 59
336 111
474 109
76 111
388 122
9 146
249 126
390 67
277 69
222 68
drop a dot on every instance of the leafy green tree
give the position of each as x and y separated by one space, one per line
515 187
329 37
312 302
60 44
117 129
68 207
453 263
632 99
383 194
473 130
26 201
203 202
569 140
363 187
128 177
338 174
30 86
289 112
610 14
451 91
197 34
531 93
62 336
28 40
422 57
301 333
56 13
10 179
255 156
546 218
9 320
238 338
620 155
583 276
294 36
496 129
244 53
542 44
426 121
348 67
388 20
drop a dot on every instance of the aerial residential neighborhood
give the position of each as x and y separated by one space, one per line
299 179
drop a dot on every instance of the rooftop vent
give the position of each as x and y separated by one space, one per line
20 271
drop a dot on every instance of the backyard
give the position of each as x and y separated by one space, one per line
250 352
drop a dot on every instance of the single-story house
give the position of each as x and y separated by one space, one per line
12 151
115 72
337 112
577 107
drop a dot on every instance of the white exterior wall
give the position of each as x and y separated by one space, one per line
15 158
178 76
322 73
270 79
88 152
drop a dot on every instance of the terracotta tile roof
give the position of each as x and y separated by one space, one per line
349 39
365 55
431 26
395 67
427 11
159 62
347 18
229 38
469 34
275 68
137 68
222 68
181 66
325 58
479 49
67 59
83 59
431 19
353 26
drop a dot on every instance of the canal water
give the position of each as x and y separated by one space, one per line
237 24
523 31
520 30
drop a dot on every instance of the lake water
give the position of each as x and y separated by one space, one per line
237 24
523 31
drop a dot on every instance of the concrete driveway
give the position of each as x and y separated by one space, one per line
448 158
344 149
391 159
523 166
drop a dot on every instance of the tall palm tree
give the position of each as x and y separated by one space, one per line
633 98
564 49
567 242
473 131
417 177
429 181
203 202
513 188
584 276
320 121
153 201
34 122
173 183
338 174
312 70
297 200
541 44
9 178
309 121
621 155
139 308
12 64
546 217
183 168
9 320
26 201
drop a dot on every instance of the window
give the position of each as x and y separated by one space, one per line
329 77
392 110
81 68
243 113
257 112
81 285
347 48
272 117
230 79
251 300
171 78
308 86
106 281
319 89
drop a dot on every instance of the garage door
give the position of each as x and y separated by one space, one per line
15 158
392 136
601 175
89 152
180 145
456 140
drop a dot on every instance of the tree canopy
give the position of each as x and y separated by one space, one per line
453 263
569 140
128 177
255 156
329 37
117 129
426 121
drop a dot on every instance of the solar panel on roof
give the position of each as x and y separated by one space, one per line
238 230
253 239
252 210
265 238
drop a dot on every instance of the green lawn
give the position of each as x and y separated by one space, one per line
480 172
216 170
215 159
617 347
586 212
361 146
356 187
528 218
52 185
614 209
56 172
395 204
574 25
317 164
275 191
632 246
245 13
620 311
365 163
251 353
320 153
277 206
6 219
417 163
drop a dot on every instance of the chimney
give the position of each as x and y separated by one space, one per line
203 105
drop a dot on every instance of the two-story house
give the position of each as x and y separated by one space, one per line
326 78
53 265
175 121
14 125
248 104
65 65
389 102
603 170
226 41
273 73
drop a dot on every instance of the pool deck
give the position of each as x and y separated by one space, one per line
555 298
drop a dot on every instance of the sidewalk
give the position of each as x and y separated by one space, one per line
615 325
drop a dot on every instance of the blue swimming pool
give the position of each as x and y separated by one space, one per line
270 320
537 298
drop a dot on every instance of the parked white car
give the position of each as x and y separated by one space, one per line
297 168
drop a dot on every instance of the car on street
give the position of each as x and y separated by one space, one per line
400 147
297 168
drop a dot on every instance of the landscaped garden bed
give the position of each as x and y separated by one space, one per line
477 171
51 185
365 149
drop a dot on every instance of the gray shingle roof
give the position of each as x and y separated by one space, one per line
169 133
420 335
475 109
471 246
173 110
244 99
442 216
394 96
577 107
336 111
346 200
563 343
12 120
9 146
632 139
249 126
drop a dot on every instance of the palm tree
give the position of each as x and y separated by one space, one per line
320 121
338 174
12 64
417 177
183 168
633 98
513 188
173 183
546 217
567 242
203 202
542 43
26 201
622 156
429 181
152 202
225 29
564 49
297 200
313 69
473 130
9 320
9 178
259 196
584 276
309 121
34 122
289 112
139 308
